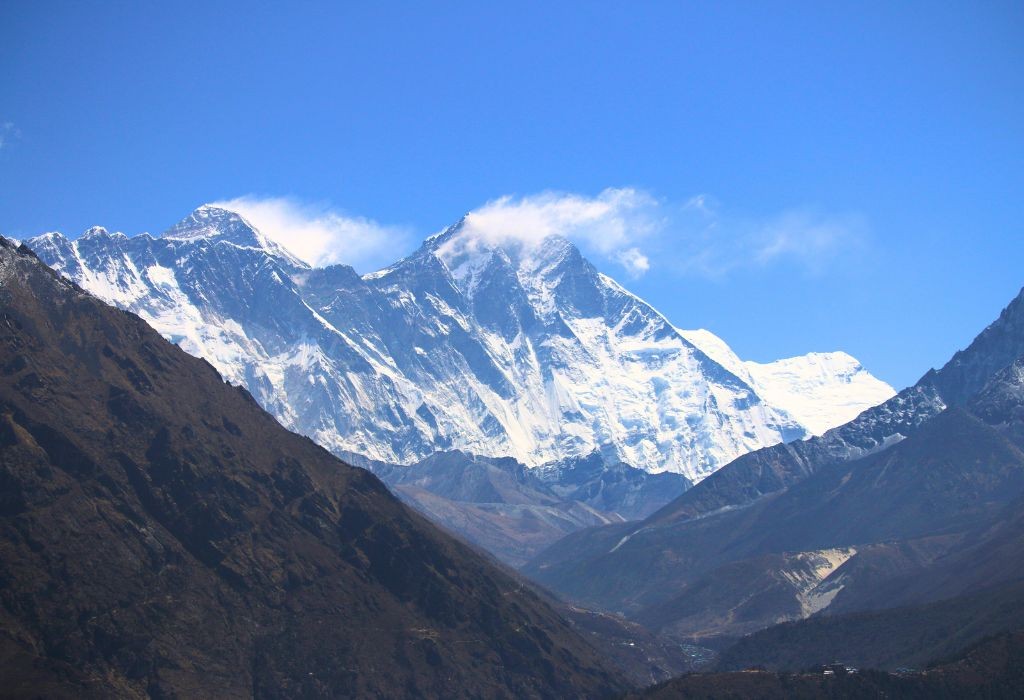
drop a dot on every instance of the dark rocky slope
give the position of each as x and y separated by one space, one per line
772 469
925 516
992 669
161 535
904 637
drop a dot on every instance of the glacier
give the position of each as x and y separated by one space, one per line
517 349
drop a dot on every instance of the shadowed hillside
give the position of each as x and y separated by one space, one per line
162 535
992 669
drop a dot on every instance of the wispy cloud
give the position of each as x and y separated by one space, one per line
811 238
8 132
624 227
321 235
695 236
610 224
713 242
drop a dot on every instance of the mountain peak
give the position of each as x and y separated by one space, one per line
496 337
49 236
549 254
98 232
468 253
466 249
94 231
447 231
1001 343
210 221
214 223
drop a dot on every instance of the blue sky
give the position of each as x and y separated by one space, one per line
793 177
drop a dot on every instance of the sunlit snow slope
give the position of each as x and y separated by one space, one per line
820 390
521 350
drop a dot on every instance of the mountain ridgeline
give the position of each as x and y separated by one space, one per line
491 348
163 536
915 506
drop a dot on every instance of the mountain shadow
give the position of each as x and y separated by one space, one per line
161 535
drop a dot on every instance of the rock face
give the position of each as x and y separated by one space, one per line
161 535
917 499
513 350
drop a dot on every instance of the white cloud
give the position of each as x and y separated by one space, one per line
320 235
609 225
635 262
626 227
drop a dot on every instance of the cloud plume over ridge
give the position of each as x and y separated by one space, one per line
625 227
318 234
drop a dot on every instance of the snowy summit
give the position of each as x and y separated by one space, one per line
498 348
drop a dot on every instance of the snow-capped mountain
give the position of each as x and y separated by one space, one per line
820 389
498 349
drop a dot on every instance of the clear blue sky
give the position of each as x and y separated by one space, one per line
899 129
